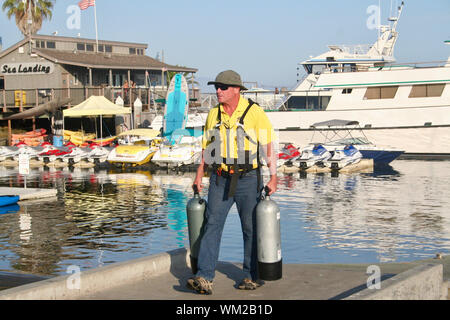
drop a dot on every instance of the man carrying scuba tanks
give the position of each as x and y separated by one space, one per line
237 132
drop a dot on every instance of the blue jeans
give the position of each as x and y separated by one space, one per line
246 197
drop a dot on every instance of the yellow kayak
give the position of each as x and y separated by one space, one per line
78 137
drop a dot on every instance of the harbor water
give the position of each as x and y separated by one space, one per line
396 214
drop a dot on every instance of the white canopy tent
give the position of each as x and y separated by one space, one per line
96 106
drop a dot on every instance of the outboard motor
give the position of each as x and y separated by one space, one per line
268 239
195 210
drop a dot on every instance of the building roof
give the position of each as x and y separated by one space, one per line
98 60
93 41
107 60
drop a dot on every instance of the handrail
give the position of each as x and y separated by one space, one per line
14 100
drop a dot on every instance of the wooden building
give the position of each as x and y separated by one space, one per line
39 68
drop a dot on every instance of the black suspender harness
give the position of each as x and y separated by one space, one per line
238 169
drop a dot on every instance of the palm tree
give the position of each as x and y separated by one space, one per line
29 14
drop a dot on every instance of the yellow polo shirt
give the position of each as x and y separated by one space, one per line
256 125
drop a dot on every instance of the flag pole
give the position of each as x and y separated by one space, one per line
96 30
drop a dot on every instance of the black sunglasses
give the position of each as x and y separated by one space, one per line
222 87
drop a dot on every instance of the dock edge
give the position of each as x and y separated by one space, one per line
99 279
424 282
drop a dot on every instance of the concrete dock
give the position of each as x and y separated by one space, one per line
163 277
28 193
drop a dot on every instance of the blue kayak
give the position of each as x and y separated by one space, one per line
7 200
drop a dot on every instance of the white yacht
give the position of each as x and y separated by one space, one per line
403 106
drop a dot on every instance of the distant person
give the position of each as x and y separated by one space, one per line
235 178
126 87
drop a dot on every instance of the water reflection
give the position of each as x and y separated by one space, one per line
12 208
97 216
398 214
100 217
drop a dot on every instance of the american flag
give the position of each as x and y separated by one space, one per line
84 4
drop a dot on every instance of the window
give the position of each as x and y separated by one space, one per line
140 52
381 92
347 91
427 90
308 103
81 47
108 49
90 47
51 45
40 44
372 93
349 67
75 78
318 68
101 48
2 83
388 92
118 79
132 50
308 68
333 67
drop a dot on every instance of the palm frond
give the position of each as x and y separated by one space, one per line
40 11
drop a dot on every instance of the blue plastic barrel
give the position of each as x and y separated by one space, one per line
58 141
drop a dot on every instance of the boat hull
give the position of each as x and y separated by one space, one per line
167 158
131 154
381 157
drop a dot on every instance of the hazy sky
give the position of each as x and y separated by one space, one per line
262 40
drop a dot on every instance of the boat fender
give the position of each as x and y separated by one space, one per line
268 236
195 211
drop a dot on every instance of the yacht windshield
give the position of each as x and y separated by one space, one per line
318 68
315 68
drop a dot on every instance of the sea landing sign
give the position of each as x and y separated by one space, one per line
11 69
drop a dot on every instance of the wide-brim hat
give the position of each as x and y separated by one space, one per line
229 77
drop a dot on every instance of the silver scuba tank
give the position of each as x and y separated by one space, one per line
195 210
268 239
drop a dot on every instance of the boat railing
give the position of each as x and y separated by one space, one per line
279 100
358 49
385 66
413 65
208 100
